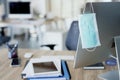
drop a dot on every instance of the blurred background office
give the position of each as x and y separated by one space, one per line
58 16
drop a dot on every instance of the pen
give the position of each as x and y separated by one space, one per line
13 49
11 52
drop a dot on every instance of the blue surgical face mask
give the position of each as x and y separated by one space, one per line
88 31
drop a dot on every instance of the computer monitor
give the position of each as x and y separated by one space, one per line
19 9
108 21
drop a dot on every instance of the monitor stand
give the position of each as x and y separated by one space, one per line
114 74
96 66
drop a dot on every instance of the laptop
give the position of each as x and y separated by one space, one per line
114 74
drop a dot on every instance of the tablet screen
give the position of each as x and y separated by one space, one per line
44 67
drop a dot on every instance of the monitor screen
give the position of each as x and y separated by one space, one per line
19 7
108 21
19 10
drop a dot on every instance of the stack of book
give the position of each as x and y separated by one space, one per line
46 69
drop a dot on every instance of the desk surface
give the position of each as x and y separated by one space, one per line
21 23
10 73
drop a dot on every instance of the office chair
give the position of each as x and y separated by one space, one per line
71 39
72 36
3 37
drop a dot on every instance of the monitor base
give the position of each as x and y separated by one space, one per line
111 75
97 66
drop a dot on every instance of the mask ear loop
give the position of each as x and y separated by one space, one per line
91 49
92 9
84 9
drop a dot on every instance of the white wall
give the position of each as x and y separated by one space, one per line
66 8
39 6
105 0
70 8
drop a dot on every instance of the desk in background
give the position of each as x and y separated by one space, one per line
26 24
9 73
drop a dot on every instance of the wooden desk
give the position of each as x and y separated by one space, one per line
10 73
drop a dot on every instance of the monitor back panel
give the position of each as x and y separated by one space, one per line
108 21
